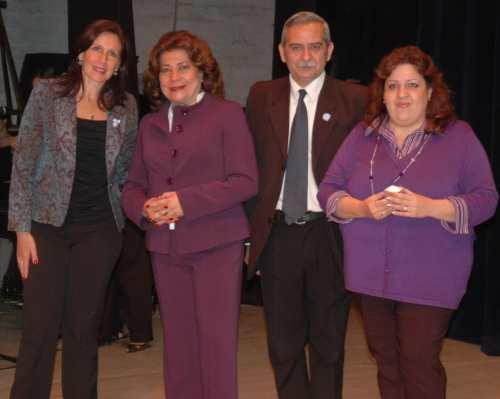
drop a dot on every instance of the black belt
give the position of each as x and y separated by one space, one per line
279 217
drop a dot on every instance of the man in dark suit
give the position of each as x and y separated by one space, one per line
298 123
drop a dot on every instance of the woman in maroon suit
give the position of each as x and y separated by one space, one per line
193 167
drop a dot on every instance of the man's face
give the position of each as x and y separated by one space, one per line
305 52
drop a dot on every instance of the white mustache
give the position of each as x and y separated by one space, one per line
306 64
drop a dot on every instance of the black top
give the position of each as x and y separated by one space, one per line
89 202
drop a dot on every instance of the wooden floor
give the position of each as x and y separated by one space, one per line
471 375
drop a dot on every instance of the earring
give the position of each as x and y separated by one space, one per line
115 72
79 61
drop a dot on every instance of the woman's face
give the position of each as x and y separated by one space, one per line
101 59
180 79
406 96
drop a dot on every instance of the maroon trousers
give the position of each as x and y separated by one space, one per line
406 341
199 296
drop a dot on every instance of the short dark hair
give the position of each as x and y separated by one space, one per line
440 111
199 54
113 90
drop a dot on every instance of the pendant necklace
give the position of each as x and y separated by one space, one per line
403 171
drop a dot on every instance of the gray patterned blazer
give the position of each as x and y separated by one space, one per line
44 162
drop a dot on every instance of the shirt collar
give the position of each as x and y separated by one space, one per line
381 125
199 97
313 89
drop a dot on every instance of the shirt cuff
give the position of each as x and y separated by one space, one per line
331 205
461 223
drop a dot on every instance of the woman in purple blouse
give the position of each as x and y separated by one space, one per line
408 186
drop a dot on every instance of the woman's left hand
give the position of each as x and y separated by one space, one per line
409 204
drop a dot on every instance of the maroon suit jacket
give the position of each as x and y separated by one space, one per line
208 159
268 116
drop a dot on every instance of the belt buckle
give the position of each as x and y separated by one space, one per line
300 221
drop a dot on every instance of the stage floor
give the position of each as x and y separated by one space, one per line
471 374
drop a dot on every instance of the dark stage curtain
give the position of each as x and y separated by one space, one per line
463 37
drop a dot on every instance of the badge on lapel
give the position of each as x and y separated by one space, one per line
115 122
327 116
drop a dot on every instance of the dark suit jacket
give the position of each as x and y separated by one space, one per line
268 116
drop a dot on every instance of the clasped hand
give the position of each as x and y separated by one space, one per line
165 208
404 203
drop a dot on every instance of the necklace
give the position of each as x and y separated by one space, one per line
403 171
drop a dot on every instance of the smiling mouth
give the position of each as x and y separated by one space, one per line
99 69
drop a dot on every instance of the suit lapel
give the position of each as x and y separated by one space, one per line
326 118
115 133
279 117
65 129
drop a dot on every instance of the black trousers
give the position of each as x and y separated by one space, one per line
129 295
65 292
306 307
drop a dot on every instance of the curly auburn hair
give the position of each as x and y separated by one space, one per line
440 111
199 54
113 92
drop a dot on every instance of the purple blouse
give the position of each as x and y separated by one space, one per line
409 259
410 145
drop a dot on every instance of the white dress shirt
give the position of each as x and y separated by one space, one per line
311 101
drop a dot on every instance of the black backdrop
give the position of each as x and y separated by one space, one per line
463 37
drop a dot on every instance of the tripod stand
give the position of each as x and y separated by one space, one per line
9 77
7 308
10 80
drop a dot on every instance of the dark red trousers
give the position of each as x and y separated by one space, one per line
406 341
199 296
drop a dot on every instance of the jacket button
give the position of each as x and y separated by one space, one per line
185 112
170 181
179 129
173 153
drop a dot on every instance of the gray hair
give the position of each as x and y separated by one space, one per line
306 17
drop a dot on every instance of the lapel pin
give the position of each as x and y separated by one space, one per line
327 116
115 122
